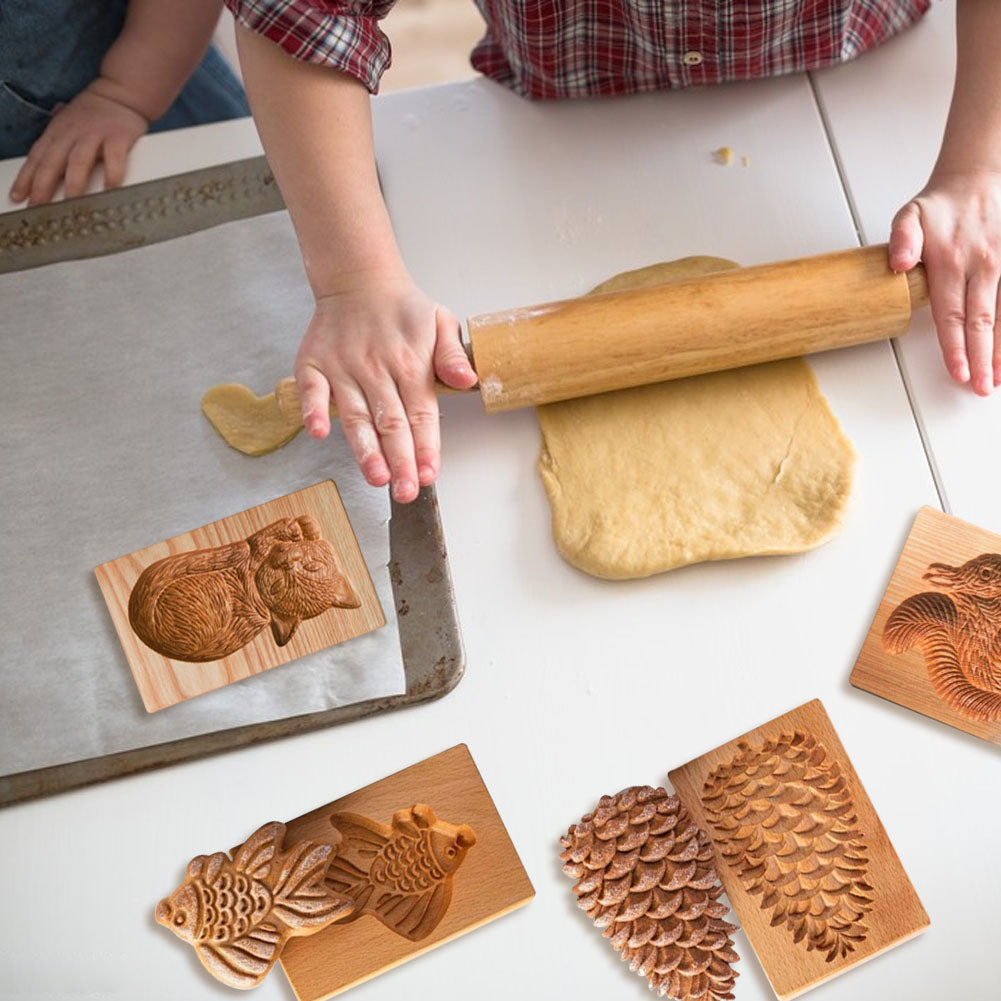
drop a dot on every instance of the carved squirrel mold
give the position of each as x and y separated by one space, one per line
934 645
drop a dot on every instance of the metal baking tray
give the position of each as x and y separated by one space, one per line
430 639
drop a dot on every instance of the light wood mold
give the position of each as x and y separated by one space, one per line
206 604
784 820
374 885
802 855
958 633
934 645
238 913
241 595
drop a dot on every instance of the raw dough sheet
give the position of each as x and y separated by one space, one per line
106 451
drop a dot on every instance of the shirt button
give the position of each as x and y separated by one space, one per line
692 58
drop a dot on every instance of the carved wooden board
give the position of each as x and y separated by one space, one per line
228 600
935 644
805 861
490 883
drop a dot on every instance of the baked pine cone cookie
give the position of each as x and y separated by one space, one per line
645 875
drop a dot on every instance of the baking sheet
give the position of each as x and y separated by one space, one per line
106 451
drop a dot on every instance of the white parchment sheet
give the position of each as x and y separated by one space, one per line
105 450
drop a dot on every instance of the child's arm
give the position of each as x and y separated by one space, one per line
375 340
954 224
141 75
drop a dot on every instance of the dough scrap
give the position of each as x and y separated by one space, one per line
740 463
255 425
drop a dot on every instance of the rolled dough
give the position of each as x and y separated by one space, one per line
740 463
254 425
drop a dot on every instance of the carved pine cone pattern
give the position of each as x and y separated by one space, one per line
785 821
646 876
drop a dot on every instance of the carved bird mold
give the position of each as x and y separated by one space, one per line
238 913
958 630
206 604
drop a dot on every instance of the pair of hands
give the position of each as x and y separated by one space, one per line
377 348
92 127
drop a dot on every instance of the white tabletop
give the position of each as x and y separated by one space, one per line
887 112
575 687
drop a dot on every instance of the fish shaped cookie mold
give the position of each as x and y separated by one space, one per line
401 874
239 912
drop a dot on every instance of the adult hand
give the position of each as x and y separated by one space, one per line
376 347
954 226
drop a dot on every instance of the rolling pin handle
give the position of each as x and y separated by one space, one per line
917 284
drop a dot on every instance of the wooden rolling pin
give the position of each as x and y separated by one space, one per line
613 340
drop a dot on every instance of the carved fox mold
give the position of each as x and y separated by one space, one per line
206 604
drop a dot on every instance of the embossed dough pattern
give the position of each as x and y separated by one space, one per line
645 875
958 633
238 913
206 604
785 822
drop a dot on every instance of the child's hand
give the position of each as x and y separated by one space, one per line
376 347
91 127
954 226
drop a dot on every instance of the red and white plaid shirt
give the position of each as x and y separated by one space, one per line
581 48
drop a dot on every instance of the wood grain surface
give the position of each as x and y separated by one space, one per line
164 681
559 350
951 669
808 867
490 883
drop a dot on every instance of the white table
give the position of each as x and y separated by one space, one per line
574 687
886 114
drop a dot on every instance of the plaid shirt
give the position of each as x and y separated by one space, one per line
581 48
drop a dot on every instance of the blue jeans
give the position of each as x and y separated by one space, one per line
51 49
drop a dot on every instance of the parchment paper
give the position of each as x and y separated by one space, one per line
105 450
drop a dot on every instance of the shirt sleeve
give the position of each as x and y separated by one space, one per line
343 34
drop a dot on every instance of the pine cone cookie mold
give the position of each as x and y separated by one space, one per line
645 875
785 821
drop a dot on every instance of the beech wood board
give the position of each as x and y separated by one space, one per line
163 681
491 882
969 700
895 913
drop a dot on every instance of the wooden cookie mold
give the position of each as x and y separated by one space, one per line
238 913
239 596
785 822
802 854
296 892
208 603
935 643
